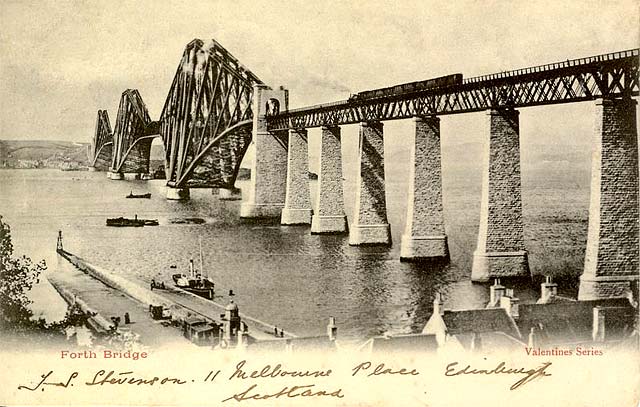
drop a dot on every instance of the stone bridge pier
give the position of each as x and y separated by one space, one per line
370 225
328 214
500 251
267 189
611 267
114 175
424 236
297 203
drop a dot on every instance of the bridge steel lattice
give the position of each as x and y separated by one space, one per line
607 75
132 135
102 143
207 118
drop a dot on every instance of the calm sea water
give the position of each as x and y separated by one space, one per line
285 275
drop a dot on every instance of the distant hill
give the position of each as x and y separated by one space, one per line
42 154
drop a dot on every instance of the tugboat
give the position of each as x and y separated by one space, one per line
145 196
131 222
195 282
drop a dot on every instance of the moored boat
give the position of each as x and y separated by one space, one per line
135 222
195 282
144 196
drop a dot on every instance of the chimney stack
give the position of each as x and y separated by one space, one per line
436 325
437 305
332 329
496 291
534 341
598 333
548 289
510 303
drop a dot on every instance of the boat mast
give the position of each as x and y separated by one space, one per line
201 266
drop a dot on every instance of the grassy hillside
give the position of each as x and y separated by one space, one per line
42 154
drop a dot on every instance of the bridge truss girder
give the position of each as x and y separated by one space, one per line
101 142
205 123
609 75
131 141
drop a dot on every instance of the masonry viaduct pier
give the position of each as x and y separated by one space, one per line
216 107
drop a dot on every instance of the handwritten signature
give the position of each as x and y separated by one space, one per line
102 378
40 385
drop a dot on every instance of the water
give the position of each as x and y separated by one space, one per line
285 275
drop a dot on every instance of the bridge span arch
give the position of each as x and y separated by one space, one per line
207 119
132 137
102 143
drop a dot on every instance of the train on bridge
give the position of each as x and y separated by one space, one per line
408 88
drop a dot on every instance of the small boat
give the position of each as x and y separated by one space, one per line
145 196
122 222
195 282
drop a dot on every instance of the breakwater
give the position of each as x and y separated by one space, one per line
181 304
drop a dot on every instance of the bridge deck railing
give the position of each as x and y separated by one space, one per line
612 56
608 75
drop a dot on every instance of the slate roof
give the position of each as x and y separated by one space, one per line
194 320
572 322
551 299
480 321
202 327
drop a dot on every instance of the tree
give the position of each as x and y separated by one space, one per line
17 276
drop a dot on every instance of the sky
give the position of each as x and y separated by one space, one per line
61 61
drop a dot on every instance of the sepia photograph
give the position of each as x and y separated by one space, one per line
328 203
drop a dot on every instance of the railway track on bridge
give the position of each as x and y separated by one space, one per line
607 75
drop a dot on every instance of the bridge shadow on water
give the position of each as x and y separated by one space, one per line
274 222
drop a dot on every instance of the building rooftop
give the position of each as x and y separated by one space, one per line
480 321
555 298
572 322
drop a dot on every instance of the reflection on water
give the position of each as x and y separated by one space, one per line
283 275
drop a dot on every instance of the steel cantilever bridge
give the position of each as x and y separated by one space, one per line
207 118
205 124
